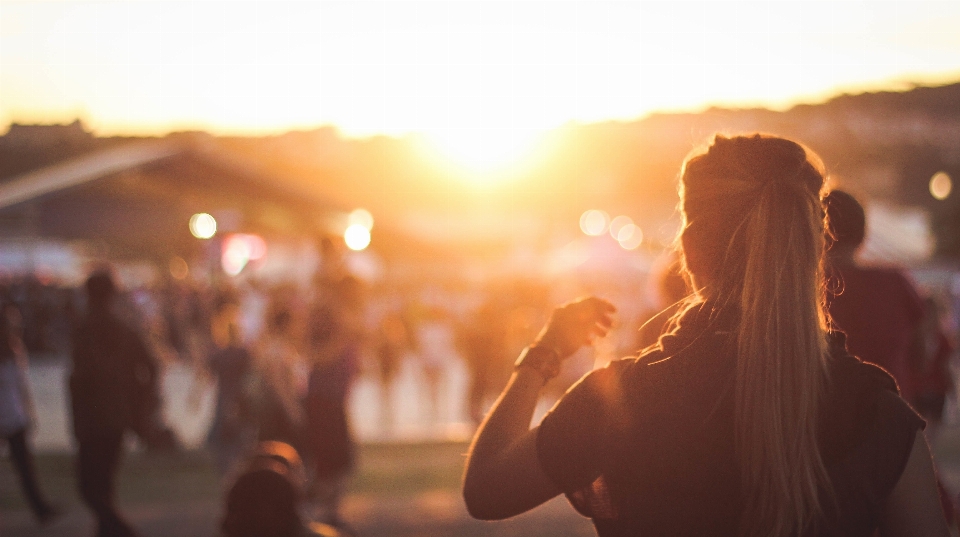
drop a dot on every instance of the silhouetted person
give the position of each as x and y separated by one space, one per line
883 316
112 390
264 501
749 418
933 380
482 342
435 350
283 380
877 308
335 339
17 412
392 344
234 427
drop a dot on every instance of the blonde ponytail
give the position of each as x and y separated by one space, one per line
780 365
755 233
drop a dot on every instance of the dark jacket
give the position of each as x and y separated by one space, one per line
113 384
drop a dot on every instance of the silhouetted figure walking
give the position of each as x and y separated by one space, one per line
112 390
336 336
482 341
283 380
877 308
884 317
392 343
234 427
17 412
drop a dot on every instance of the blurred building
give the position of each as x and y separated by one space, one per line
66 196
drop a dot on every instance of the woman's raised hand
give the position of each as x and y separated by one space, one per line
576 324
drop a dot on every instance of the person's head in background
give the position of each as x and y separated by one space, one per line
264 499
846 223
101 290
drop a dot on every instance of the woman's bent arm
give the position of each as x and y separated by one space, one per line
503 477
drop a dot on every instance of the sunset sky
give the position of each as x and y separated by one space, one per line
468 74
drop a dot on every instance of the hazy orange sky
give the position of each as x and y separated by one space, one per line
471 75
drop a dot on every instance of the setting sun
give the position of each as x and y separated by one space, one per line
483 153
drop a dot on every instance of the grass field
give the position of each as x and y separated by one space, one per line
399 490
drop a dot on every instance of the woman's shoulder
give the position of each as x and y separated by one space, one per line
863 412
849 373
605 378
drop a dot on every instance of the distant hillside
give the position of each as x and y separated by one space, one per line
883 145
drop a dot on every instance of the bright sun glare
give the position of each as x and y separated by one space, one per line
482 80
484 153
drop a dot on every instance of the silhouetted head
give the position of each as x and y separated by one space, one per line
263 501
846 220
744 192
100 289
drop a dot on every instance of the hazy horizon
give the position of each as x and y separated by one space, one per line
482 80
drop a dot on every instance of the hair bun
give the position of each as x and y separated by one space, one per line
761 159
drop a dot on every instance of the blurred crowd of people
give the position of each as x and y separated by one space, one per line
283 359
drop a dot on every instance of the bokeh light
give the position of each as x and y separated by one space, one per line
203 226
940 185
239 249
618 224
356 237
361 217
630 236
257 246
178 268
594 222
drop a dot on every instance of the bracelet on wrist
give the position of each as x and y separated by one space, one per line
544 360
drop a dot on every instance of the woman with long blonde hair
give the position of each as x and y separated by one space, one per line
748 418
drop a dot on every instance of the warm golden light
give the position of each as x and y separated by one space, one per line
360 217
356 237
594 222
479 77
203 226
941 185
239 249
178 268
484 151
630 236
619 224
234 258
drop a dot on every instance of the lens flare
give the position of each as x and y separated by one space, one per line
178 268
941 185
630 237
594 222
203 226
618 224
239 249
361 217
357 237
